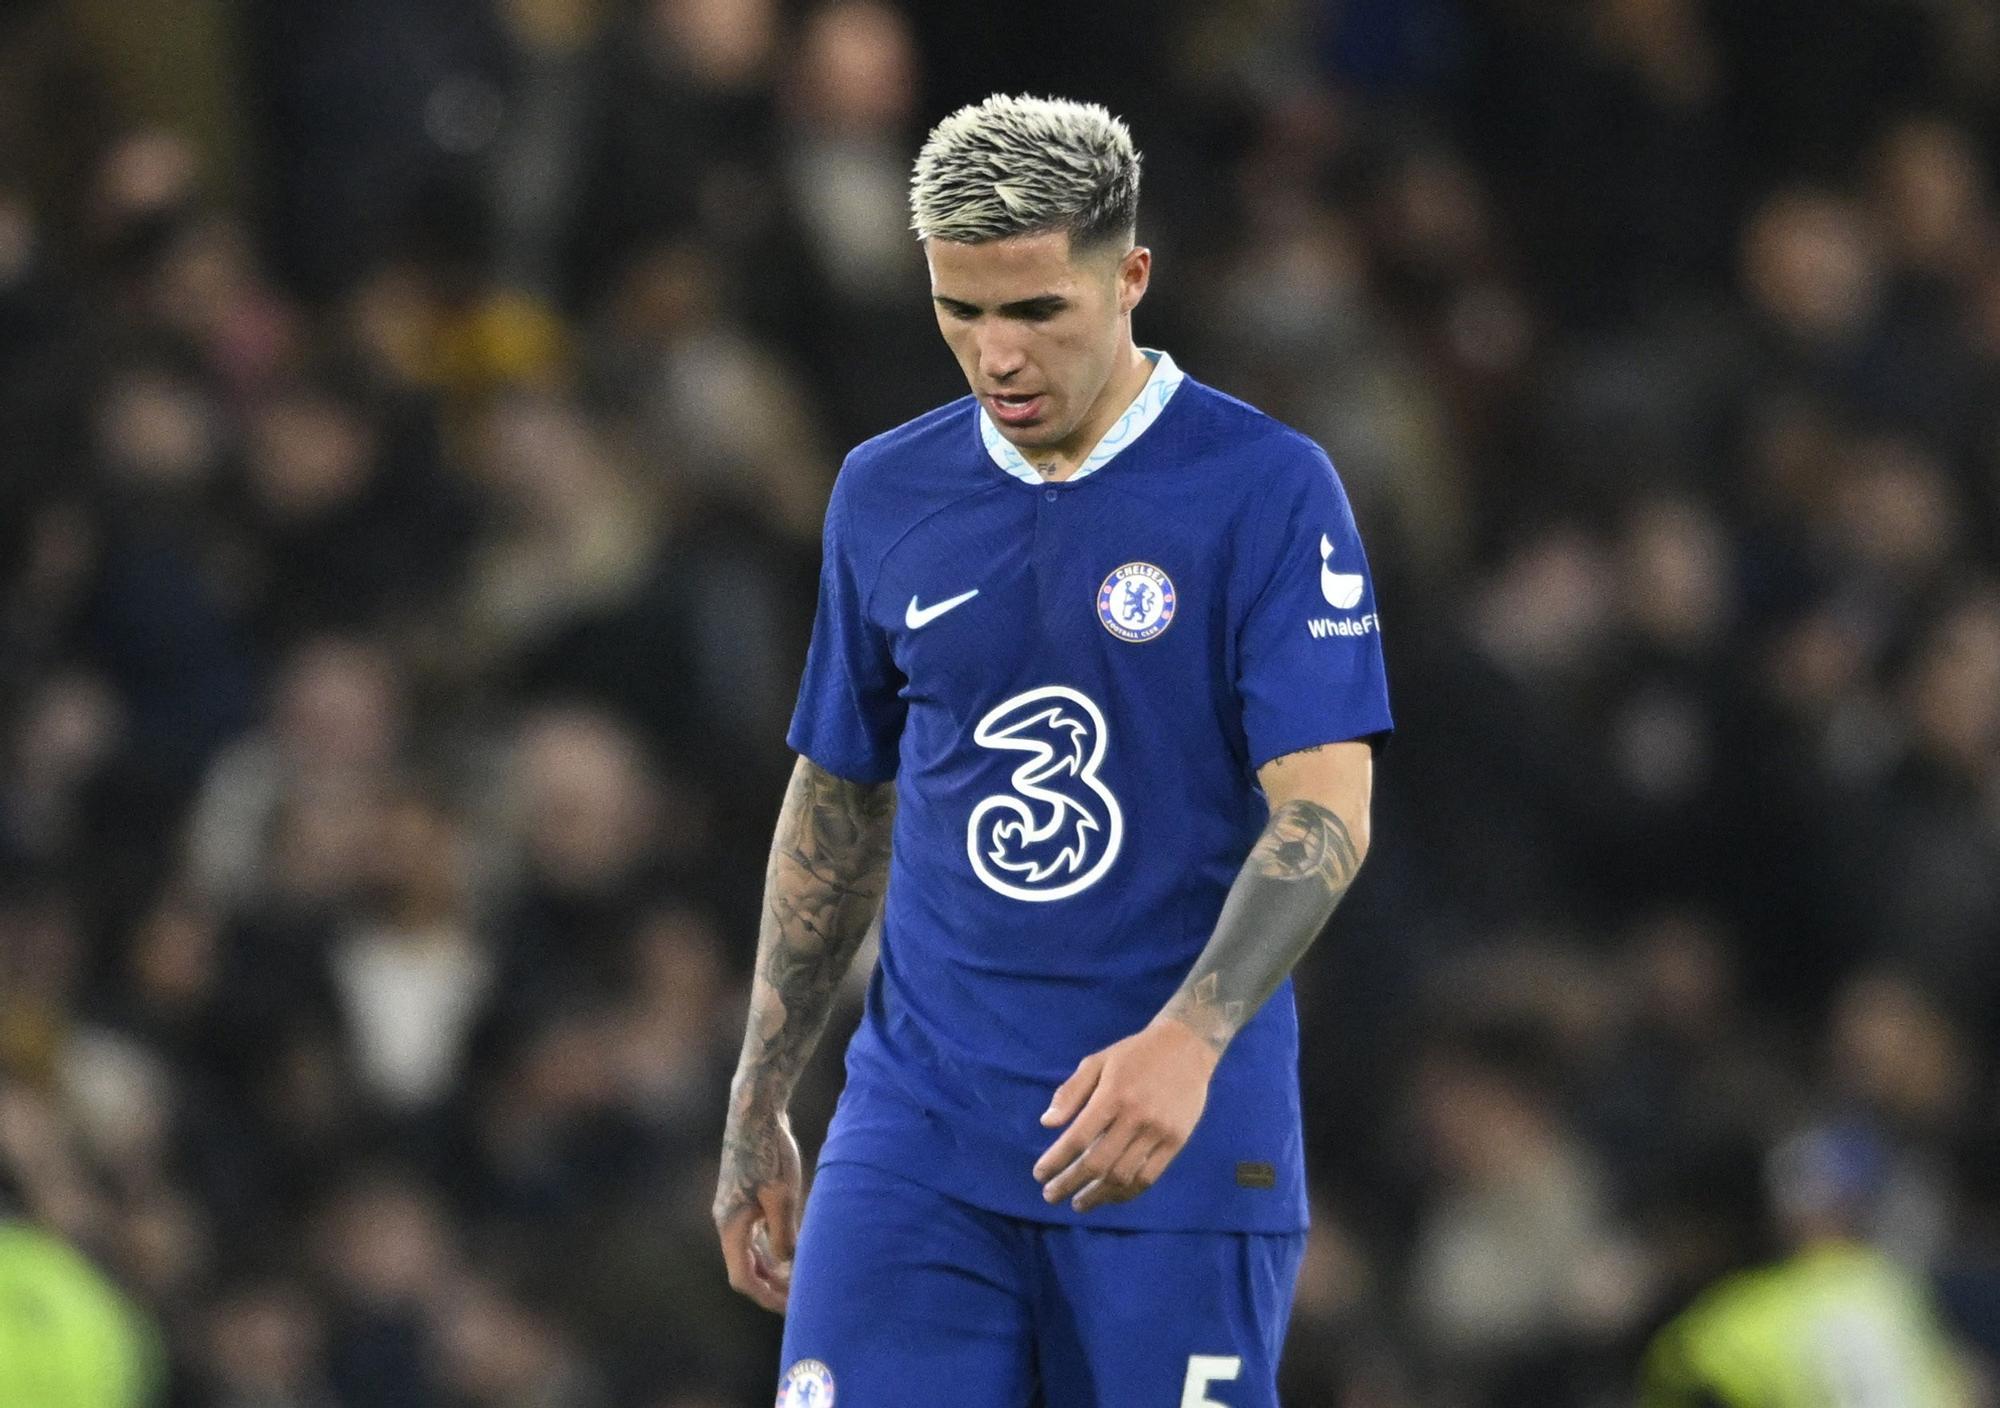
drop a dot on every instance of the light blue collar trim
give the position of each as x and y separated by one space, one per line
1144 410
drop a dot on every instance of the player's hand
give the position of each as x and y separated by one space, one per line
1130 1109
757 1206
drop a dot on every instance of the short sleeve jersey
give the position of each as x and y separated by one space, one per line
1073 685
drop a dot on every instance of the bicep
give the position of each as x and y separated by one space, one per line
1339 777
838 815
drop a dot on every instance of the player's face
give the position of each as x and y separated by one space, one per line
1038 329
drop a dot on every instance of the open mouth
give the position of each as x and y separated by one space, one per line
1015 409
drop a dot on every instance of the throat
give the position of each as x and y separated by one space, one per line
1059 462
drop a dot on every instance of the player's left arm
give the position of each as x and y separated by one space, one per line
1132 1107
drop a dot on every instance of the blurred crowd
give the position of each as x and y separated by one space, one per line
415 419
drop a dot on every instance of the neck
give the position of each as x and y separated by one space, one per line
1129 374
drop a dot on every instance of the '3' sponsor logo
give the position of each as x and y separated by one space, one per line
1058 830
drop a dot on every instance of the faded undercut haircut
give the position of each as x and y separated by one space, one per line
1023 166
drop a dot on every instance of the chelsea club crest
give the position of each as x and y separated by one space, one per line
808 1384
1136 602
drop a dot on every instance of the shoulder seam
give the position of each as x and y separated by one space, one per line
916 425
882 559
1279 430
1269 491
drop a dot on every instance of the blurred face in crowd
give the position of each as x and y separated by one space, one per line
858 72
309 454
723 43
157 431
1677 572
1811 265
338 708
589 801
495 1349
264 1343
385 1242
1043 333
1893 1050
1952 697
1930 193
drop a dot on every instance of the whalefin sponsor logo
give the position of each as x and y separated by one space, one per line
1342 590
1328 628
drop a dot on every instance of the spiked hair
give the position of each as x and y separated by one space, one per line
1022 166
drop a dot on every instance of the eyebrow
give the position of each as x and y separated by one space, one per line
1021 308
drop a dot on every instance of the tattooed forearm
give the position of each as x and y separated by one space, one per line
828 870
1296 873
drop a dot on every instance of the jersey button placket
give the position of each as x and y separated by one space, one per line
1051 494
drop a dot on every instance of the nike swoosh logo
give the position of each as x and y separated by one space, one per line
918 616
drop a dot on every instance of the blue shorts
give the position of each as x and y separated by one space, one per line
903 1297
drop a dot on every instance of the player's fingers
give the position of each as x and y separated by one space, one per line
1093 1163
771 1279
738 1258
781 1221
1102 1192
1083 1131
1072 1093
1156 1163
769 1298
1131 1165
746 1255
1122 1184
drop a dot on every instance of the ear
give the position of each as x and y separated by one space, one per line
1135 273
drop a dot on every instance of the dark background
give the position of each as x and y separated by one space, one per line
415 418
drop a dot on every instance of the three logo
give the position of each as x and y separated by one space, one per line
1059 829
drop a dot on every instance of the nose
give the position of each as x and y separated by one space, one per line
1000 350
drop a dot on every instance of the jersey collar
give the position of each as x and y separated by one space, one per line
1144 410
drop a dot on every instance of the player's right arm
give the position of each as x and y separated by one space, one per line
828 869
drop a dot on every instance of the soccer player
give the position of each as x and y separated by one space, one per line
1096 646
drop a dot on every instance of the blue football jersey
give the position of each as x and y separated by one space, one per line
1073 685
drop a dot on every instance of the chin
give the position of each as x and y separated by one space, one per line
1044 435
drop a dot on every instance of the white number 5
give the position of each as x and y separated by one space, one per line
1206 1369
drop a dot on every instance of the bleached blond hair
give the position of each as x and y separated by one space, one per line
1021 166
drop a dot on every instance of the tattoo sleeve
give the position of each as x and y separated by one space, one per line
1296 873
828 870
